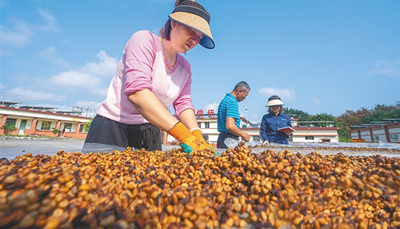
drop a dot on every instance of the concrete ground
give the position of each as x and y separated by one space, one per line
11 147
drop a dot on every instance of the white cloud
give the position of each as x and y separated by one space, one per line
211 106
2 86
90 77
22 32
316 100
386 68
284 94
50 22
50 54
27 95
73 78
18 37
106 67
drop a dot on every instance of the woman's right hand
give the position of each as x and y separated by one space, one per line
265 143
199 135
188 141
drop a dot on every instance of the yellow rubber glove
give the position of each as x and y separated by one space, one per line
189 142
199 135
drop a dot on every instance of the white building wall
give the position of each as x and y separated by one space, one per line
53 125
318 134
39 124
365 135
378 134
354 135
394 134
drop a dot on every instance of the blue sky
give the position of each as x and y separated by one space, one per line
318 56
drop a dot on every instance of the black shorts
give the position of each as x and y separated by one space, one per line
107 134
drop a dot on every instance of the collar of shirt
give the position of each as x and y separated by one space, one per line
230 95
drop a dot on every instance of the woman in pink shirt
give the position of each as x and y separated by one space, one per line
150 77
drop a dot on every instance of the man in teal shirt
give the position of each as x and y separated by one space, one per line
228 115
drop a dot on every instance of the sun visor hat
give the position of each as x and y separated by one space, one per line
274 101
196 19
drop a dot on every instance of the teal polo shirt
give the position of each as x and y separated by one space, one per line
228 108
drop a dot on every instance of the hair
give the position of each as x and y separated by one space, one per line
166 29
240 85
281 109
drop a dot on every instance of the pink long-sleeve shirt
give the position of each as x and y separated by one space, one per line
143 66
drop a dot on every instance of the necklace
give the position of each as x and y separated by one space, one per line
166 60
169 67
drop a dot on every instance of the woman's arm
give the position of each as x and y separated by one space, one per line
188 118
152 110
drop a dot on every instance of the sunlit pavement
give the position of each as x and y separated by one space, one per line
11 147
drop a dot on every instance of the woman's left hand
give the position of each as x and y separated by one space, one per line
288 132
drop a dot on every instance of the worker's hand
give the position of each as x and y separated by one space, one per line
288 132
189 142
199 135
197 132
265 143
246 137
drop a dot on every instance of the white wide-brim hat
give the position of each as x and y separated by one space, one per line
274 101
197 19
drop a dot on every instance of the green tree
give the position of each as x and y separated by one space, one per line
322 117
295 113
365 115
352 118
87 125
394 114
343 132
381 112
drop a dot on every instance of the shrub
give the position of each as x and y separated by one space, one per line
56 131
8 129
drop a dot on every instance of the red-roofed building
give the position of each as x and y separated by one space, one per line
41 121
